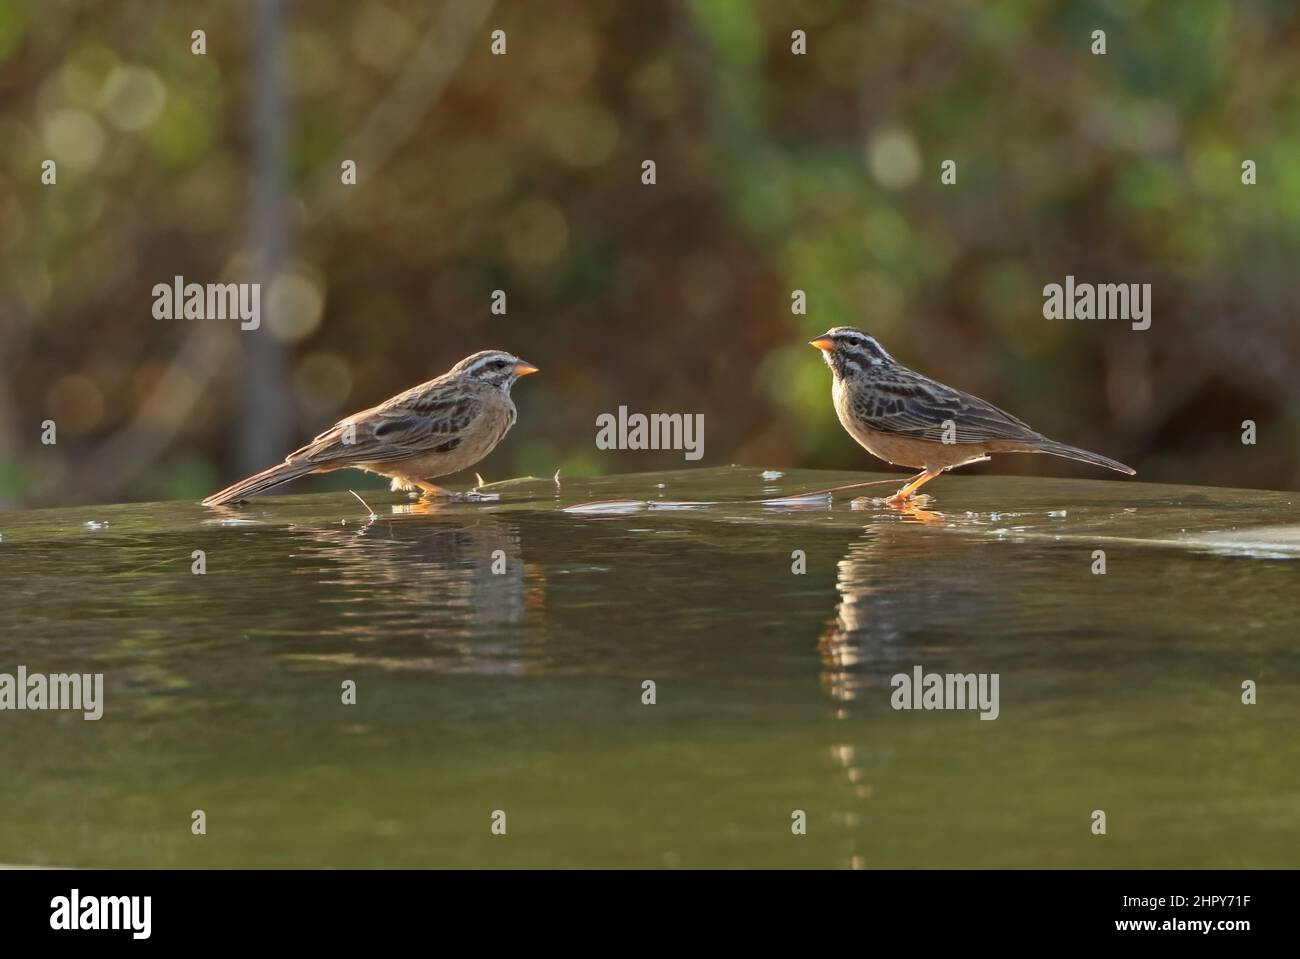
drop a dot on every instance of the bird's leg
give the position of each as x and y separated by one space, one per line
912 485
432 489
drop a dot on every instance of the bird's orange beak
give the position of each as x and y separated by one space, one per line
823 343
523 368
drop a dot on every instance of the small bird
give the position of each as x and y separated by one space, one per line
910 420
443 426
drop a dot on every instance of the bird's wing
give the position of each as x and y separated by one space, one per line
905 403
428 418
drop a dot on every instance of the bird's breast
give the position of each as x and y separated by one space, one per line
842 396
890 447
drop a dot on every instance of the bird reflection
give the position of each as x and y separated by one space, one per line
886 616
455 581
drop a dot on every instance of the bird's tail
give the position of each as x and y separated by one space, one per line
260 483
1074 453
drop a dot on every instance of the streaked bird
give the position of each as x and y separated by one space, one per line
905 418
437 428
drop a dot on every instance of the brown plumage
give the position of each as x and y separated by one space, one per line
437 428
911 420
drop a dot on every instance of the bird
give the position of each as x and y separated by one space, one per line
907 419
440 427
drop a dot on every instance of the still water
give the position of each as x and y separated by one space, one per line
499 652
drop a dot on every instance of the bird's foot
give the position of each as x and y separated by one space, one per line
422 507
924 515
428 493
914 507
418 488
904 504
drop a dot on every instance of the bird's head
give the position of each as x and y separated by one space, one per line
849 351
495 368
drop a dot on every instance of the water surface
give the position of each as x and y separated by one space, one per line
521 690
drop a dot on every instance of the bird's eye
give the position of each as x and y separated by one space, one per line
500 364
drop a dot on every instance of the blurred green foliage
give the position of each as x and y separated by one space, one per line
521 172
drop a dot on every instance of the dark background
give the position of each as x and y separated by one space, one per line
522 172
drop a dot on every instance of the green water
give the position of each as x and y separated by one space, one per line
521 691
